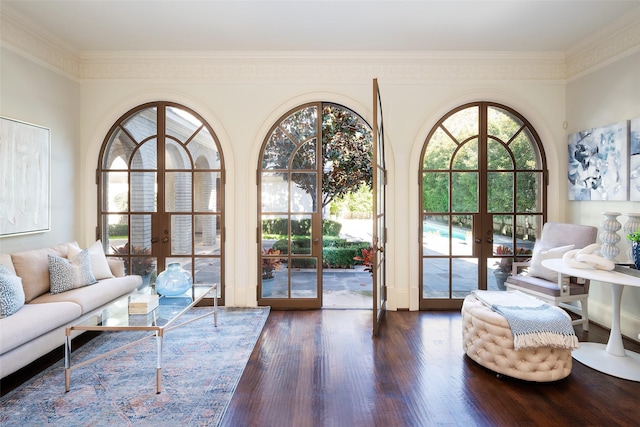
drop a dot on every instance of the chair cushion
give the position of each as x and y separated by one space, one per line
546 287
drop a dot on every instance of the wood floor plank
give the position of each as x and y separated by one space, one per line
323 368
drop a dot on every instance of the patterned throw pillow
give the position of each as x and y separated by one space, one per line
11 293
66 274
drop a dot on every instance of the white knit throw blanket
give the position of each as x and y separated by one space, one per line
533 322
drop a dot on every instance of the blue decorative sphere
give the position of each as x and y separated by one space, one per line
173 281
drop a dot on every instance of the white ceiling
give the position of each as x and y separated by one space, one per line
92 26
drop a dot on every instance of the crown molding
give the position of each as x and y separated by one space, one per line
323 66
616 40
42 47
609 44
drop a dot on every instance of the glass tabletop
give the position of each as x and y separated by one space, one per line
118 314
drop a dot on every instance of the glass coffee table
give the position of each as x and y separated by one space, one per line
117 317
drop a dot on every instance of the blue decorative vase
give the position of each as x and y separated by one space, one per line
173 281
635 251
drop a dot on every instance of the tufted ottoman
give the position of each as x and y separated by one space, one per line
487 339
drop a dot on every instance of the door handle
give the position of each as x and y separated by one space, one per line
165 239
154 240
316 241
489 240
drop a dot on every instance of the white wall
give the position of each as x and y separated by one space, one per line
33 93
241 112
608 95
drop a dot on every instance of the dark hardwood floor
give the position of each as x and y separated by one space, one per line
323 368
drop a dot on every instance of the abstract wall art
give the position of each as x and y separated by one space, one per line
634 161
598 163
24 178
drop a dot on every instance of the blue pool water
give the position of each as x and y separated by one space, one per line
443 230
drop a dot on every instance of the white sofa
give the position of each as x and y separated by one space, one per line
38 327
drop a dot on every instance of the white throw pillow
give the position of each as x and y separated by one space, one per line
99 264
538 270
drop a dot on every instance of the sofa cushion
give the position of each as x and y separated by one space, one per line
33 267
99 264
5 261
66 274
94 296
11 293
34 320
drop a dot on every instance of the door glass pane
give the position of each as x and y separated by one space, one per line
177 191
181 235
302 124
139 246
464 192
146 157
206 234
301 235
464 276
181 124
439 151
528 188
435 277
463 124
277 151
304 281
115 194
500 192
498 156
524 151
527 227
119 147
502 124
303 191
207 271
142 124
204 151
435 191
462 235
502 234
117 234
274 192
206 191
467 156
175 156
143 190
435 232
274 279
305 157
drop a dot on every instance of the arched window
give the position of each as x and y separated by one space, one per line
161 193
482 200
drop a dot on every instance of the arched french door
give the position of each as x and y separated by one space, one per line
161 192
314 153
482 201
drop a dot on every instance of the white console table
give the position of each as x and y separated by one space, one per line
611 358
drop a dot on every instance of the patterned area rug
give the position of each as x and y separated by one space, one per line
201 368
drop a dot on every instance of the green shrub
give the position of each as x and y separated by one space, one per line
118 230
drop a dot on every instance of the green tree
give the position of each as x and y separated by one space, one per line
347 143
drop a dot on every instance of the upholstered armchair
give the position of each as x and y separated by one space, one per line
545 284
